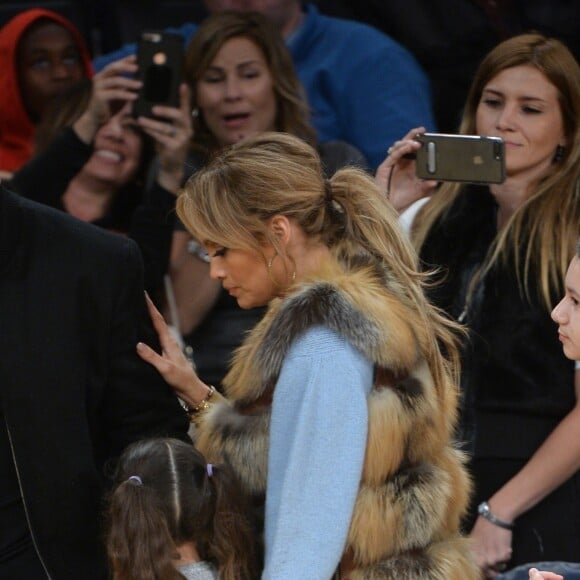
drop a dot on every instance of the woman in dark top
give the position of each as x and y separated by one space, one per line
503 251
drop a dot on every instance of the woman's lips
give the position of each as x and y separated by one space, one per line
235 121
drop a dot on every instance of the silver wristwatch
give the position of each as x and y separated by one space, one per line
484 511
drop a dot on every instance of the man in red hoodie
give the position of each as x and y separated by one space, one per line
41 54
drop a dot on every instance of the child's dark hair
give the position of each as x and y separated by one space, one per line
166 494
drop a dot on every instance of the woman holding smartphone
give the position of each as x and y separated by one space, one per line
93 158
503 251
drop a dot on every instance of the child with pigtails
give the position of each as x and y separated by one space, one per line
171 515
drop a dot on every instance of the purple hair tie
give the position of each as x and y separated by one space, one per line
209 469
135 480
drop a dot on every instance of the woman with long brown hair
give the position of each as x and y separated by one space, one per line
503 252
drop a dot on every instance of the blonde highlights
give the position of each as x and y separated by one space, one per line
230 201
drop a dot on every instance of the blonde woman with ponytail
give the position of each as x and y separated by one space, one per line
340 406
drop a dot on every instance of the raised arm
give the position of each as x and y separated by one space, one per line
396 174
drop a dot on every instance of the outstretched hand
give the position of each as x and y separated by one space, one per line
172 364
396 174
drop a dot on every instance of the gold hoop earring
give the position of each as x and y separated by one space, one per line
269 268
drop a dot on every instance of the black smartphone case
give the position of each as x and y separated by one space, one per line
160 62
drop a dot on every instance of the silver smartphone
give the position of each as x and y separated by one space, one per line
469 158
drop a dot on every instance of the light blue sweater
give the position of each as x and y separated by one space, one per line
317 445
362 86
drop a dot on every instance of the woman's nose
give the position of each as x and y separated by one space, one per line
233 88
216 271
559 312
505 118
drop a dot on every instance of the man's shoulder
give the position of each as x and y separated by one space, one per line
57 228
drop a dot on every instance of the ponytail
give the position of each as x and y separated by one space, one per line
232 544
139 545
369 222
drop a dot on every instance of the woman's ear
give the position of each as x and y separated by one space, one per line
281 229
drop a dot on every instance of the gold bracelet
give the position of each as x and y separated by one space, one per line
203 405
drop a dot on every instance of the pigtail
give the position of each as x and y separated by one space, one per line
232 545
139 545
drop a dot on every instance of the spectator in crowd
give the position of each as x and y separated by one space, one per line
172 515
242 82
41 54
341 403
95 158
503 251
362 86
73 392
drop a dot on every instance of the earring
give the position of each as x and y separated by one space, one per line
269 268
194 113
559 155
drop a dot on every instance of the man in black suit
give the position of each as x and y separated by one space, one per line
73 392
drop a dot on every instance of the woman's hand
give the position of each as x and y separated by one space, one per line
172 132
172 364
396 174
536 574
492 546
112 85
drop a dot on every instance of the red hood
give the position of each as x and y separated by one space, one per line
16 128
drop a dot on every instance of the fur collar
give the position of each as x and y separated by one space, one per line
356 303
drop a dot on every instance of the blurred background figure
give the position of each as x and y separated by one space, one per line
449 38
93 159
362 86
41 55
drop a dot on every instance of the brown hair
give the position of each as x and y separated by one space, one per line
553 204
230 201
164 496
292 114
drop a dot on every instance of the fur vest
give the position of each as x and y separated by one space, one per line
414 488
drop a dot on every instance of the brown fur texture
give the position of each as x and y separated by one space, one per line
414 487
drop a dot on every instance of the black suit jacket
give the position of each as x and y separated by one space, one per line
73 390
